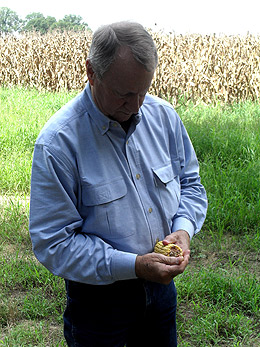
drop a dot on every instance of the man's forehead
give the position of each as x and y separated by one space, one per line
124 58
126 75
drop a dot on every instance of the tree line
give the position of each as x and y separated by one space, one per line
10 22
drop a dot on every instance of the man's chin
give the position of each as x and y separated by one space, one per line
121 117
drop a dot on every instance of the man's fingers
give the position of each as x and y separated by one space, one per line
174 260
186 254
159 268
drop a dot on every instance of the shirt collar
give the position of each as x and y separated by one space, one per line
97 116
102 121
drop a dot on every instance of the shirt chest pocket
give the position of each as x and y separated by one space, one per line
104 208
167 181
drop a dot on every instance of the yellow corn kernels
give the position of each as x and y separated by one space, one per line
170 250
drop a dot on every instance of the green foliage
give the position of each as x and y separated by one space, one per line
10 22
37 22
70 22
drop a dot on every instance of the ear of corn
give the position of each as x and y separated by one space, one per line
170 250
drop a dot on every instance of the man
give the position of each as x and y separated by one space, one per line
114 171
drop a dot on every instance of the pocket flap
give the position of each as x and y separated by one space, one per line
167 172
103 193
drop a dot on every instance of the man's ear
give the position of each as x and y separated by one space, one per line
90 72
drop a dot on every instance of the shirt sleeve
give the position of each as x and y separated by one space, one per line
193 199
55 227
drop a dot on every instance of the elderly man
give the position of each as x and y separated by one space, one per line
113 171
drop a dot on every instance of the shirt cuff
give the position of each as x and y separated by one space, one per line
181 223
123 266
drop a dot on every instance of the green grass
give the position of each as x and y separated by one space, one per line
227 142
23 114
219 293
223 305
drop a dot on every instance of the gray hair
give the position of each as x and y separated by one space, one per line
109 38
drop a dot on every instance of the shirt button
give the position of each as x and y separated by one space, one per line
114 125
150 210
104 127
138 176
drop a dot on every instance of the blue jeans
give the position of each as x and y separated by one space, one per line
129 313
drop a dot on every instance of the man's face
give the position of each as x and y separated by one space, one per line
122 89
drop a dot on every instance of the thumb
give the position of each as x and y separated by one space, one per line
173 260
166 241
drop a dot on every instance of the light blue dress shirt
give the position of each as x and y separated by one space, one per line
100 197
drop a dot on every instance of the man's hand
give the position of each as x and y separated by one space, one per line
159 268
180 238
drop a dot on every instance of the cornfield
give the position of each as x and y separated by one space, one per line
193 67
